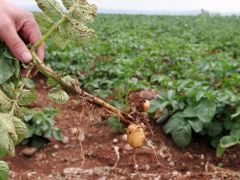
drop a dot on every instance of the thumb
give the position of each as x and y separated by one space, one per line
16 45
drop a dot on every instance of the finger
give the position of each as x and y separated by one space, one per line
16 45
31 33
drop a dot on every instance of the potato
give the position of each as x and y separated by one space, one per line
146 105
135 136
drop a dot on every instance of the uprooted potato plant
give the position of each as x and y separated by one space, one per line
58 24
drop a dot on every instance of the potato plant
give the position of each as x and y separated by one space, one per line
58 24
196 103
41 127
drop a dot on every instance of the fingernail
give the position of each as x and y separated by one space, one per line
26 57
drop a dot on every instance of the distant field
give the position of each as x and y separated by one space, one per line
131 49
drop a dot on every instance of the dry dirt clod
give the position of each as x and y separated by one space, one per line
56 146
115 141
127 147
65 140
12 174
29 151
54 154
40 157
171 163
147 167
188 173
175 173
73 131
124 137
147 94
31 173
81 136
88 135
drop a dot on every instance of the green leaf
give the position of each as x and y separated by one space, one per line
82 11
116 124
29 83
3 153
189 112
213 129
6 143
174 122
214 142
51 82
236 114
200 95
220 151
5 104
155 105
196 124
20 112
74 27
228 141
12 131
4 170
235 132
58 95
9 90
41 126
205 111
57 134
171 95
51 8
182 135
163 117
6 68
7 123
27 97
69 79
21 129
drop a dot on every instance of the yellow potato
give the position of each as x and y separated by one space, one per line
135 136
146 105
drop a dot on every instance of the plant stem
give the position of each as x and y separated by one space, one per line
15 102
126 118
50 31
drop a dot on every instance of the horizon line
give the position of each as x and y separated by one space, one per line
148 12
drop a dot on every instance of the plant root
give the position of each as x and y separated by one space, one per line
135 164
116 150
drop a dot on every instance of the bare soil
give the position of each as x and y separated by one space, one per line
92 151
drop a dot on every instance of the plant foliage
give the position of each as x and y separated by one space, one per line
41 126
60 24
4 170
74 17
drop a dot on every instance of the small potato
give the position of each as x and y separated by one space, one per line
135 135
146 105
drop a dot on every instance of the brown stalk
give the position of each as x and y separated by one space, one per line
75 87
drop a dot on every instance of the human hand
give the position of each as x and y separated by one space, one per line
18 27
